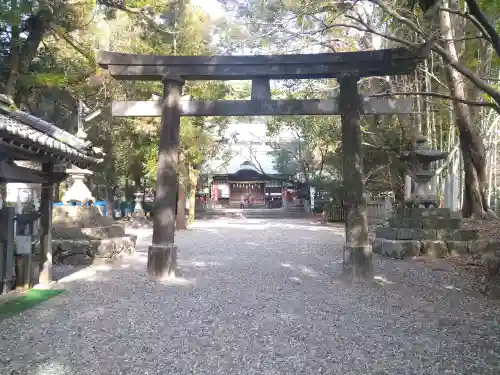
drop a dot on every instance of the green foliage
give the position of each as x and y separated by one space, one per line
62 69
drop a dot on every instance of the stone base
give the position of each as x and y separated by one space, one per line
396 249
419 234
79 216
162 261
85 252
358 262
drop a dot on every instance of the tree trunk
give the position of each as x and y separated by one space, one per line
180 220
193 185
471 144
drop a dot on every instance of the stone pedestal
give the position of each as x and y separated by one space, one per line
80 235
162 261
420 231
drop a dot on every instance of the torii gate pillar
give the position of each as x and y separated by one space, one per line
357 250
162 254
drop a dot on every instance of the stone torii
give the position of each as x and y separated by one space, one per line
347 68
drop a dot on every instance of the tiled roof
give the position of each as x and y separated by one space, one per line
34 136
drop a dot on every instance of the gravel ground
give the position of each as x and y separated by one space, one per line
257 297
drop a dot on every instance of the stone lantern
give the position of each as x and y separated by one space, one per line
138 209
422 165
78 191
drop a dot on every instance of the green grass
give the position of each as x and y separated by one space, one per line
15 305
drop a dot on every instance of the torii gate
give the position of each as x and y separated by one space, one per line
347 68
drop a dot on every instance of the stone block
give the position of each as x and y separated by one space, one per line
467 235
491 258
104 232
456 215
74 252
437 212
68 233
448 234
397 249
435 222
405 222
458 247
112 248
479 246
416 234
387 233
409 234
410 212
436 248
392 248
411 248
133 238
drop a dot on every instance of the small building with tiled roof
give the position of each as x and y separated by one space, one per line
24 137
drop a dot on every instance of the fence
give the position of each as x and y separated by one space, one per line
378 210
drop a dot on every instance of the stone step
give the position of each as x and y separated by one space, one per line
68 233
431 222
75 233
400 249
413 212
426 234
396 249
104 232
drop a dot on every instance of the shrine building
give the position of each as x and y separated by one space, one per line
266 190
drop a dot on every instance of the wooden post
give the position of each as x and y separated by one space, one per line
7 281
358 253
47 195
162 254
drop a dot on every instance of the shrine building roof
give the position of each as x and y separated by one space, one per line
26 137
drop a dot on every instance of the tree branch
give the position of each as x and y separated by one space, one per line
441 96
483 21
470 18
448 59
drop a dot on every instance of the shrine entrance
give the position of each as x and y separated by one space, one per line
346 67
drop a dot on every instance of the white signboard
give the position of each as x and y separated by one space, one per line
312 191
23 245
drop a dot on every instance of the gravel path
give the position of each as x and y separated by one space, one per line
256 297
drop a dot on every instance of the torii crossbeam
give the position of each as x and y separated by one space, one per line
347 68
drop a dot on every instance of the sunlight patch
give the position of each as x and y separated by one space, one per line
308 271
382 280
54 368
451 287
177 280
